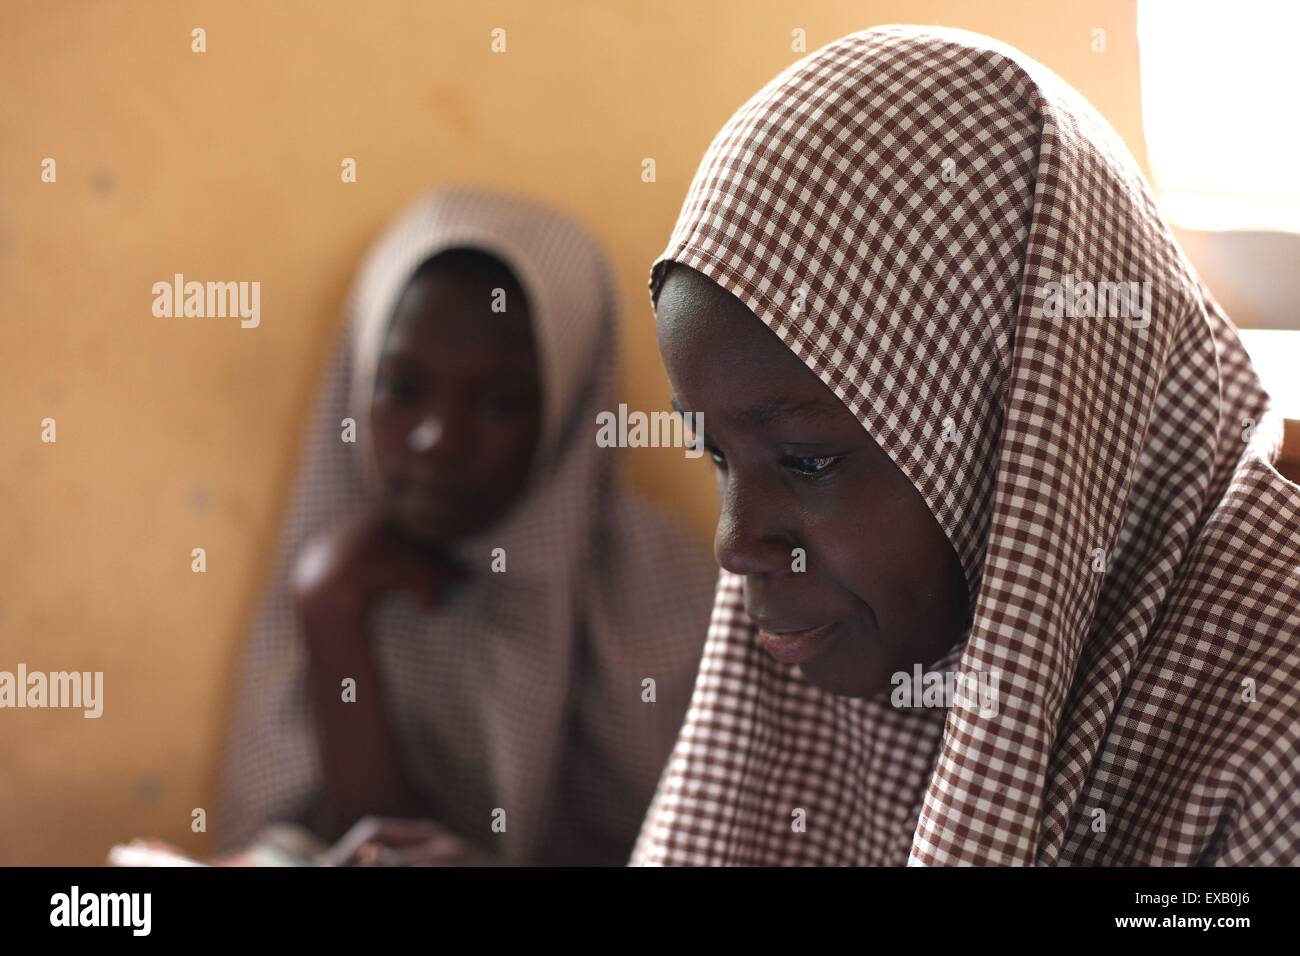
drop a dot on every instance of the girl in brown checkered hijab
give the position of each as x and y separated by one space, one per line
521 635
1008 575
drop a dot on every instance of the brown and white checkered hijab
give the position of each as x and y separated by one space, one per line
897 207
523 691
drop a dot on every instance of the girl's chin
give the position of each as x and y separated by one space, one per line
436 527
425 526
848 669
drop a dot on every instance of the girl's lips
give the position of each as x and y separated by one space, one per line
798 647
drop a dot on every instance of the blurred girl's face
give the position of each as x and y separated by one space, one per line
881 588
456 411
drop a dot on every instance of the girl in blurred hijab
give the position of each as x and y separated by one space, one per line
1008 575
472 632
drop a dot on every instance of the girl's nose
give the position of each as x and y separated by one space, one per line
425 435
749 539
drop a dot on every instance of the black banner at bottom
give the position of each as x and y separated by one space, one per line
331 906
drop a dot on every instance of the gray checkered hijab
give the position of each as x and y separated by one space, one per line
524 690
896 207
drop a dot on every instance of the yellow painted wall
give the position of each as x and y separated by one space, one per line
181 434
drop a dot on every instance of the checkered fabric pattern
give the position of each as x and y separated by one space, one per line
903 208
523 691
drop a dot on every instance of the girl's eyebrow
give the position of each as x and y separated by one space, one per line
765 413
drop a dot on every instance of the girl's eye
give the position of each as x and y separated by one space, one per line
716 455
400 390
811 467
505 403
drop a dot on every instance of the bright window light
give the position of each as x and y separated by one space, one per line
1219 100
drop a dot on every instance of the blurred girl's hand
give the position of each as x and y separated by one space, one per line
344 569
380 841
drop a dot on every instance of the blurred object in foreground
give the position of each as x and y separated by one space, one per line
276 845
149 853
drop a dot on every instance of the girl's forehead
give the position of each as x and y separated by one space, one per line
454 315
